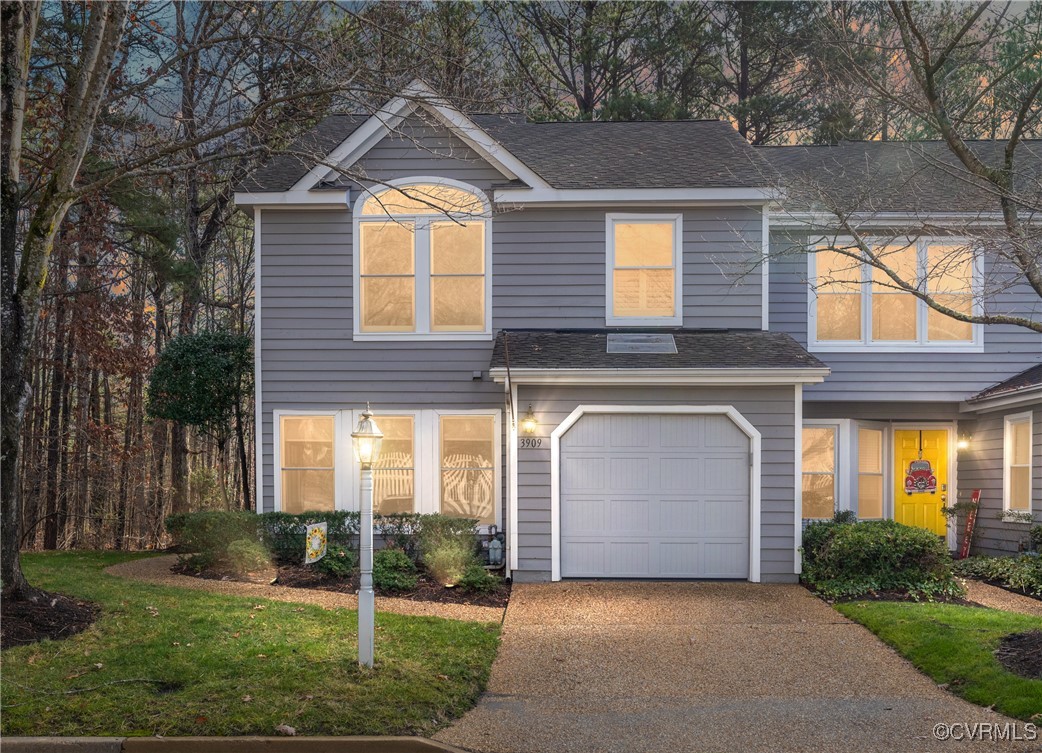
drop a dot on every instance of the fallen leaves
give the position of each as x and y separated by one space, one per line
152 611
247 698
285 729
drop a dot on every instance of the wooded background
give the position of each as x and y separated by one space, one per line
199 94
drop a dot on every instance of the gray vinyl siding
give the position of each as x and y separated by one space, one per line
980 467
419 148
931 376
550 267
770 409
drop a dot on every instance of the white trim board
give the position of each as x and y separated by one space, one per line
634 196
258 387
661 376
716 410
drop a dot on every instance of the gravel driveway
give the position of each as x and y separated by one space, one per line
629 667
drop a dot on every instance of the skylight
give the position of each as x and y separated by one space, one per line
641 343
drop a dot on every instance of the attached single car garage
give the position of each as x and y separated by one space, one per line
655 495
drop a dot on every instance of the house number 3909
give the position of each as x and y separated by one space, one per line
530 442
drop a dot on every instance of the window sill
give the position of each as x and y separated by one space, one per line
422 337
1026 517
911 348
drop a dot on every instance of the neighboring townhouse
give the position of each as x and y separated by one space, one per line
604 340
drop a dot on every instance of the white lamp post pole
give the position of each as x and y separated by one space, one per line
367 440
366 600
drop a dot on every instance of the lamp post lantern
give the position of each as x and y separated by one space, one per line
366 439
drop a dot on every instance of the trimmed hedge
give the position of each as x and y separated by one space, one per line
209 533
842 560
1022 573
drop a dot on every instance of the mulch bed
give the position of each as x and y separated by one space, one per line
1021 654
44 616
302 576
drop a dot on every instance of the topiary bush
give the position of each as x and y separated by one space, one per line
1022 573
843 560
448 547
393 571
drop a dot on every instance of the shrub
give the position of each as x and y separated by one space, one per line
847 560
339 562
478 579
1036 537
393 571
212 531
448 546
1022 573
246 556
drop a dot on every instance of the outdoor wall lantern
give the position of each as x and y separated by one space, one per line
366 439
964 441
529 423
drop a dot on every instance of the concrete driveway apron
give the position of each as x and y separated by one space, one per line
698 666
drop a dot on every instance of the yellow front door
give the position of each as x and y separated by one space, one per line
921 478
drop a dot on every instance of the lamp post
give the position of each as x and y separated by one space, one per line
366 439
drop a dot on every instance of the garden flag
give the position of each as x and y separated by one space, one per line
314 543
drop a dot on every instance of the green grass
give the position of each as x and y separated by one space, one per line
232 666
954 645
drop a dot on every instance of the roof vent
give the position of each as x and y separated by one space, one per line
641 343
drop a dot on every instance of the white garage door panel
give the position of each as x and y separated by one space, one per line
654 496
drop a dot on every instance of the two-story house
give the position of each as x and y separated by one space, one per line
606 339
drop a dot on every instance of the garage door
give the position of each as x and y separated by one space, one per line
654 496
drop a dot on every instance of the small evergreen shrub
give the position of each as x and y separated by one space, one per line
1036 538
284 532
1022 573
479 580
852 559
448 547
246 556
393 571
339 562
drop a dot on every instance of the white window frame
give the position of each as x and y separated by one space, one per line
1007 460
921 343
838 429
677 220
421 261
342 454
887 506
426 455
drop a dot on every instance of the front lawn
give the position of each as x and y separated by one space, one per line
168 661
955 645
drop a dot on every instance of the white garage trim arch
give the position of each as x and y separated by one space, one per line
698 410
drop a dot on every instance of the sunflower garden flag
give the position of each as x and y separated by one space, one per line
315 543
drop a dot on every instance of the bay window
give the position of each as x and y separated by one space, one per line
423 255
856 305
644 269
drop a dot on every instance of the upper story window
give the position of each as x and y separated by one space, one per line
856 305
423 254
644 274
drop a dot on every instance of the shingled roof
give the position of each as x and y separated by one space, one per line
643 154
896 176
696 349
1028 379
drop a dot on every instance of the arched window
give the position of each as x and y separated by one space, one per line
422 258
